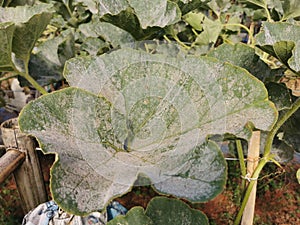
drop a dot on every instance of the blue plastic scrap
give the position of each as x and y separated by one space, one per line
50 214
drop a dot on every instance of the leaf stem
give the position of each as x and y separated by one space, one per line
242 161
31 80
251 38
8 77
180 42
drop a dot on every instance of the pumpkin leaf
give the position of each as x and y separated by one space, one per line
112 7
6 36
156 12
111 34
149 13
281 41
147 113
243 56
135 215
30 22
173 211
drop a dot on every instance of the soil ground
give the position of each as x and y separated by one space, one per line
277 202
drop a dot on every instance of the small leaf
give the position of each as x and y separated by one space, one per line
135 216
280 95
210 33
164 211
156 12
283 50
6 37
195 20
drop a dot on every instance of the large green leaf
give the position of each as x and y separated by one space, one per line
164 211
143 114
6 37
282 41
30 23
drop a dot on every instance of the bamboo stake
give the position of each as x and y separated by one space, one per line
252 162
9 162
28 176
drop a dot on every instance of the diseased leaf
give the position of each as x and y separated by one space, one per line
47 60
112 7
219 6
27 34
243 56
164 211
21 14
291 131
280 95
128 21
6 36
291 9
141 114
294 61
156 12
281 40
111 34
135 216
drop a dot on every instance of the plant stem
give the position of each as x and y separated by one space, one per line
180 42
242 161
31 80
267 156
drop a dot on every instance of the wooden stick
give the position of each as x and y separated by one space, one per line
252 161
9 162
28 176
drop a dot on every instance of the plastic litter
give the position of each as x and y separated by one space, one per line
49 213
